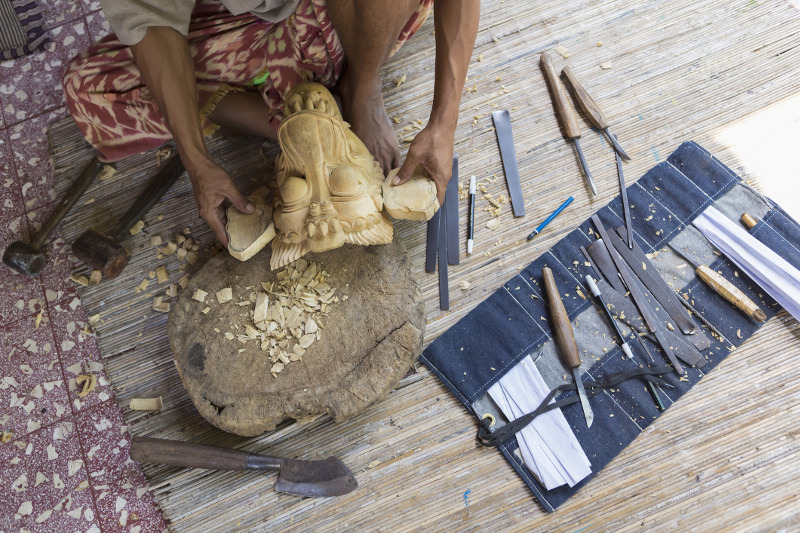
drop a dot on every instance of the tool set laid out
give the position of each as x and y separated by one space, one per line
649 325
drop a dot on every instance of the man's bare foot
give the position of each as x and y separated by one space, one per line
363 108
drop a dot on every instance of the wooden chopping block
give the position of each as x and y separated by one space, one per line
368 341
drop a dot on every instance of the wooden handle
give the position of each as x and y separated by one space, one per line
727 290
155 189
588 105
564 110
748 221
79 186
562 328
188 454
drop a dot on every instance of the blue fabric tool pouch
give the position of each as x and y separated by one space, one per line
514 322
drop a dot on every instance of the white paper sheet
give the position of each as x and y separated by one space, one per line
548 446
769 270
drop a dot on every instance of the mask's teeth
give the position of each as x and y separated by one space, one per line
312 229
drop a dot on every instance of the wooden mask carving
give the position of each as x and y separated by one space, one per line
329 186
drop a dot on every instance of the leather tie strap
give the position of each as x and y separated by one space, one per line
593 388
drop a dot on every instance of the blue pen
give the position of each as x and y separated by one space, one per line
535 232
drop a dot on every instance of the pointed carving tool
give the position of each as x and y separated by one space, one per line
623 193
565 112
565 340
723 287
328 477
592 111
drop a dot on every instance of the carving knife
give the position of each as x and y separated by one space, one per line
565 340
623 194
505 139
328 477
564 110
592 111
723 287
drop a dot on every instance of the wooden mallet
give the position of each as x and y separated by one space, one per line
28 258
105 253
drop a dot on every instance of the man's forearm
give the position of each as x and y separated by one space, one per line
456 23
166 66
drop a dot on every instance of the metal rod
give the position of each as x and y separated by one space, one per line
586 173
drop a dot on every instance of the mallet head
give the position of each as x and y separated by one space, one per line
101 253
24 258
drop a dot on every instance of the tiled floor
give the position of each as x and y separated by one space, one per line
64 462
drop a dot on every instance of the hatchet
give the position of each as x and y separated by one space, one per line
328 477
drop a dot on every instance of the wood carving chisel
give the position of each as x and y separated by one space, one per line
444 289
638 297
567 115
626 348
748 221
648 274
505 139
723 287
432 244
702 319
592 111
565 340
623 194
451 199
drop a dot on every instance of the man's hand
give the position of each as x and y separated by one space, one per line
212 186
433 149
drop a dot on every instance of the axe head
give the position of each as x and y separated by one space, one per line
328 477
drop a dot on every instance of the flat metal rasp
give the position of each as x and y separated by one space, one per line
565 340
444 288
505 139
723 287
451 200
565 112
592 111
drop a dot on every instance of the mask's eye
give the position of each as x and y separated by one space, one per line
294 189
344 181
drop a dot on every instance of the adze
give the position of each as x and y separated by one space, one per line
328 477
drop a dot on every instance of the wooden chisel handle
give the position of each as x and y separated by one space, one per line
727 290
564 110
586 102
562 328
748 221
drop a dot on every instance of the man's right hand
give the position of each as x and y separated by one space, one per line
212 186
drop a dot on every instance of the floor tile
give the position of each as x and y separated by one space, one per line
22 293
123 503
11 205
58 12
80 354
32 84
91 6
46 485
98 25
55 276
32 388
32 158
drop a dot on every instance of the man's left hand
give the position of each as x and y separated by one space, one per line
433 149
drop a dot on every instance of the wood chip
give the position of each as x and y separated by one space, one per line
160 305
80 280
146 404
224 295
493 224
562 51
605 65
137 227
465 285
87 382
143 285
199 295
95 277
155 240
161 274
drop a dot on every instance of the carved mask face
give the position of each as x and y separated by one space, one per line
329 186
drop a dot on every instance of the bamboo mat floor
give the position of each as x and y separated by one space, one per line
725 457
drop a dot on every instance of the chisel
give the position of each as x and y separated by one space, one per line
626 348
723 287
592 110
565 339
566 113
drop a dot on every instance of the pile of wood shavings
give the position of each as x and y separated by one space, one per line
287 315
